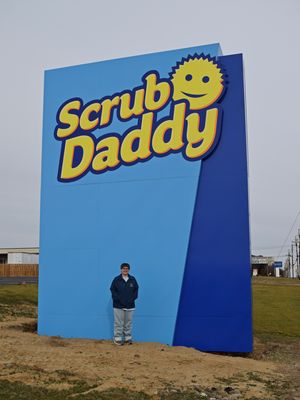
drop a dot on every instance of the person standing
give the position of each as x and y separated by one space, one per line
124 290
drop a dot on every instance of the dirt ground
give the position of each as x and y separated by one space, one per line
57 363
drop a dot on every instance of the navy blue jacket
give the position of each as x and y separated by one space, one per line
124 293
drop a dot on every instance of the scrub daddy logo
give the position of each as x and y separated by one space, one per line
191 126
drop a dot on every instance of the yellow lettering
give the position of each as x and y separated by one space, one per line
85 122
176 126
203 139
107 108
137 109
143 136
162 89
108 156
68 118
87 145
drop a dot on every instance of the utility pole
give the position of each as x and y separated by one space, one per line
296 257
298 253
289 264
292 255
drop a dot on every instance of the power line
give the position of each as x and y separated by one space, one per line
269 247
290 231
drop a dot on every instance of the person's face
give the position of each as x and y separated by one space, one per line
125 271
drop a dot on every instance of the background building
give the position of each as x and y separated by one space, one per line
22 255
264 266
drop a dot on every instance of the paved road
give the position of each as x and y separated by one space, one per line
17 280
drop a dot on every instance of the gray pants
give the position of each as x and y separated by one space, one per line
122 324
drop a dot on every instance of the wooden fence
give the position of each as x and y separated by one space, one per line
7 270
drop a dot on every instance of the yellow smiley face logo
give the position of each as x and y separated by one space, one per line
198 80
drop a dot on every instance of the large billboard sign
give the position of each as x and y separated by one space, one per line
144 161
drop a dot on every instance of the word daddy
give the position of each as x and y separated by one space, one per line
191 126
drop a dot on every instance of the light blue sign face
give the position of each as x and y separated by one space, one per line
144 161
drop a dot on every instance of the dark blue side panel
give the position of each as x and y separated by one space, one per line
215 306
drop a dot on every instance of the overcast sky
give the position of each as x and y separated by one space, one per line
36 35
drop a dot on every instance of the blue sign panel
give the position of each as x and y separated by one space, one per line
144 161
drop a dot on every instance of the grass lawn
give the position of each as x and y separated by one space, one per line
18 294
18 301
276 306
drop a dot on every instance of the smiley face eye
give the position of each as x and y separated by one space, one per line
205 79
188 77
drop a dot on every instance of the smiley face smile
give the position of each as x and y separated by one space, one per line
198 80
193 95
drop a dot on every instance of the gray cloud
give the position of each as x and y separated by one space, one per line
41 35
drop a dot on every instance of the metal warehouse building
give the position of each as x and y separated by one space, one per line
22 255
